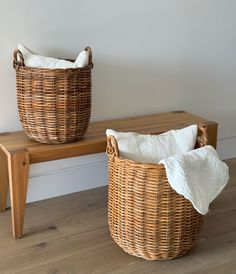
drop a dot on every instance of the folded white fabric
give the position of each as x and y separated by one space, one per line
35 60
153 148
198 175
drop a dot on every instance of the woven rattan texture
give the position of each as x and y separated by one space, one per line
147 218
54 104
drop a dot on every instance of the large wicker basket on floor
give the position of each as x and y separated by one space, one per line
54 104
147 218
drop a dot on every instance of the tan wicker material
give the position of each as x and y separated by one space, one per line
54 104
147 218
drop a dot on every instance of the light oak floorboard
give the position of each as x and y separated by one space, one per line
69 235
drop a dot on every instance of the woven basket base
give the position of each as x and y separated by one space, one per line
55 142
162 256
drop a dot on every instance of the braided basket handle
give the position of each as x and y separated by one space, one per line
18 59
203 138
90 57
112 146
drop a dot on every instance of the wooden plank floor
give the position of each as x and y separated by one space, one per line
69 235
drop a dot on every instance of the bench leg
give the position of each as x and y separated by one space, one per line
18 170
212 134
4 185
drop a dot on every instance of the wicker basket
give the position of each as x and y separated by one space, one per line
54 104
147 218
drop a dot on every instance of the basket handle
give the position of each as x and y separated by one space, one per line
90 57
112 146
203 138
18 59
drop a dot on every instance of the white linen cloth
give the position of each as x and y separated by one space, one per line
198 175
153 148
35 60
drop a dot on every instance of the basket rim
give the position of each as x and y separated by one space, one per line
134 163
89 66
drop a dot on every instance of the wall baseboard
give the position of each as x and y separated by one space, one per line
226 147
63 177
56 178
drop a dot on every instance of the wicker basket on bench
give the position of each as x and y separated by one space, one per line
147 218
54 104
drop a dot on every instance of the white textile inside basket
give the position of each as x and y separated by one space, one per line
146 148
35 60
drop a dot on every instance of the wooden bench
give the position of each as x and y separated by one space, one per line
17 152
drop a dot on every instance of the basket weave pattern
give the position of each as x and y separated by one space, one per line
54 104
147 218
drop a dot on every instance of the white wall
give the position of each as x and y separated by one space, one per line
150 56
